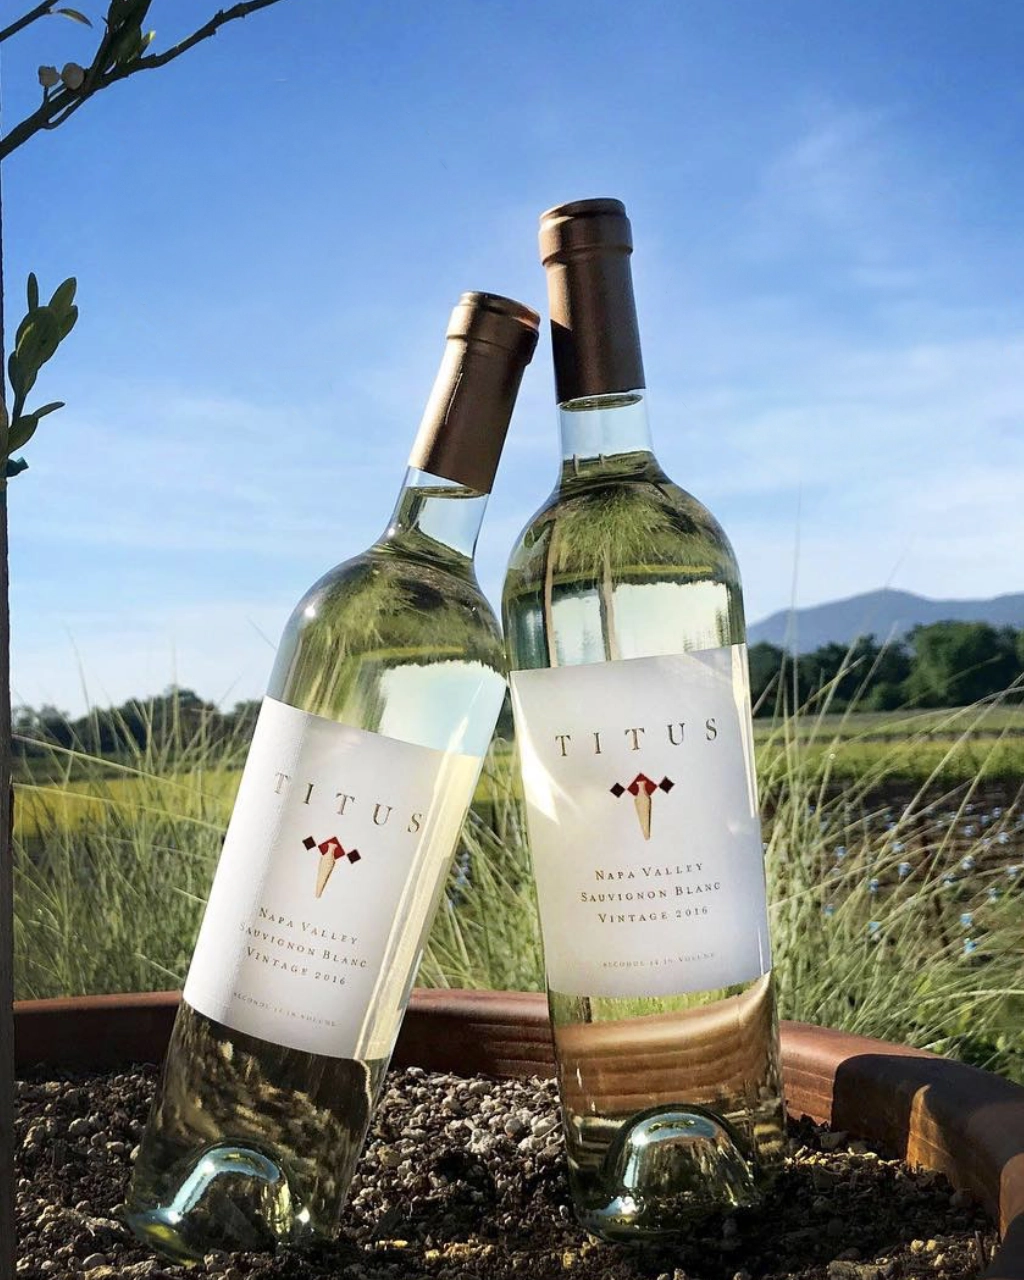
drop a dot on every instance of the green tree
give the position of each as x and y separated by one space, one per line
820 671
887 688
766 675
955 663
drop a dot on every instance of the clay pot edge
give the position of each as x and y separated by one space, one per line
936 1113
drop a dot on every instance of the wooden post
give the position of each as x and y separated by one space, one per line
6 925
6 855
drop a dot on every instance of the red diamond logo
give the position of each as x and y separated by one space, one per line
331 851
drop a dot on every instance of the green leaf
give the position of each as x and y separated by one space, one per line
129 46
33 291
15 466
68 322
123 12
38 337
64 295
23 428
74 15
16 375
23 328
48 408
25 424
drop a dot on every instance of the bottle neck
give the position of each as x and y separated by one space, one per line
435 518
606 434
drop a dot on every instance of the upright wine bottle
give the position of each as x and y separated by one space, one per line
626 644
367 750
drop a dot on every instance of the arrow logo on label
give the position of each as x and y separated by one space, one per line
642 790
331 851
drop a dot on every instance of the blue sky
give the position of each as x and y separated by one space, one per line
269 235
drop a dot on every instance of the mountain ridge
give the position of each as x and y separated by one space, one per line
885 614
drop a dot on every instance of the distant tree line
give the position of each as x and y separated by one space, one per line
177 717
945 664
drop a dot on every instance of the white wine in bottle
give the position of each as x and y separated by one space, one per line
625 637
383 698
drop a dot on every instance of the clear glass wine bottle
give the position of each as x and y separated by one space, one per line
380 709
625 636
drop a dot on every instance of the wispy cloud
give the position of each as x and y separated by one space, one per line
849 198
166 471
909 454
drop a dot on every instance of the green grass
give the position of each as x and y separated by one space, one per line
955 745
112 860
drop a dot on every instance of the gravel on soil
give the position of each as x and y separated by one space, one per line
465 1178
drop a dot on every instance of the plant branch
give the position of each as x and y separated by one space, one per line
40 11
58 106
219 19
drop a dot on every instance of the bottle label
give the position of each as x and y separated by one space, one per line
335 848
643 821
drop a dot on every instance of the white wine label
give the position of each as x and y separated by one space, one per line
643 822
334 851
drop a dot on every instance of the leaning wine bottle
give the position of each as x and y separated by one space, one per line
625 638
366 753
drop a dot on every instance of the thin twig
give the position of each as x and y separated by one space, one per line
203 33
26 20
59 106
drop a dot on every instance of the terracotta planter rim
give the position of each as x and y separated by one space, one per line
935 1113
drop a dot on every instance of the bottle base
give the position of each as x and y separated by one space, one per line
654 1220
232 1198
668 1169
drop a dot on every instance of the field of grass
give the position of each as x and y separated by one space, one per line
892 847
948 746
959 745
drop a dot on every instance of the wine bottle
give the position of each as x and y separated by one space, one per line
364 760
626 645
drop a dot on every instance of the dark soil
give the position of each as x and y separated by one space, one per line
466 1178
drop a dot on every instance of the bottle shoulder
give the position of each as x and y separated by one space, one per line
391 611
397 648
378 586
620 566
643 519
